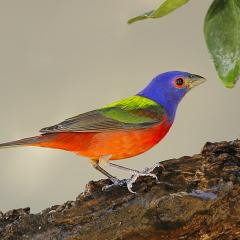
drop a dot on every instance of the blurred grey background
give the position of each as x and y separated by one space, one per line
59 58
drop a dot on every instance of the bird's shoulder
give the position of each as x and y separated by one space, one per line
135 108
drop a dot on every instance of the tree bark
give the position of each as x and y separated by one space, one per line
196 197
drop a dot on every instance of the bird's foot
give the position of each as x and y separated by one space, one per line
134 178
115 182
129 182
146 172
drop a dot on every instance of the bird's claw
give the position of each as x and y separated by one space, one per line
134 178
129 182
115 182
146 172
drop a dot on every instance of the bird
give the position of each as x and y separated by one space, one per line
122 129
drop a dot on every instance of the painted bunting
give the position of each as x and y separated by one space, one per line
122 129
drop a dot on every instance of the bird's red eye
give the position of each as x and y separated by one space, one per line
179 82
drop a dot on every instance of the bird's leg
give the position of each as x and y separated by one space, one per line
130 170
95 164
105 159
133 171
116 181
136 174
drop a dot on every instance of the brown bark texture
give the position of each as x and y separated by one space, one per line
197 197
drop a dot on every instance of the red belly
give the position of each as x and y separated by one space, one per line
119 144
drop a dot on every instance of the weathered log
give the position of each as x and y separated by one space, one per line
197 197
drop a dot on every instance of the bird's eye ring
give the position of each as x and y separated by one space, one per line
179 82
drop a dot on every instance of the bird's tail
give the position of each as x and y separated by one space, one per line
25 142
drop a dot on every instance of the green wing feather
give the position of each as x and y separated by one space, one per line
131 113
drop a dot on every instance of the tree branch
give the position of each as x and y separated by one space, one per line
197 197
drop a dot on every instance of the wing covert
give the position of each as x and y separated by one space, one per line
112 117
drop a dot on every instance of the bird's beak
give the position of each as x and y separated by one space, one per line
195 80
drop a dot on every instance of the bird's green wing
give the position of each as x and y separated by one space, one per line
131 113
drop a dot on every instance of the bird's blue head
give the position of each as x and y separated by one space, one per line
167 89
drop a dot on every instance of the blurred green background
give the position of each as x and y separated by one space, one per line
59 58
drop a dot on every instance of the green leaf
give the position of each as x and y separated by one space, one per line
222 34
167 7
